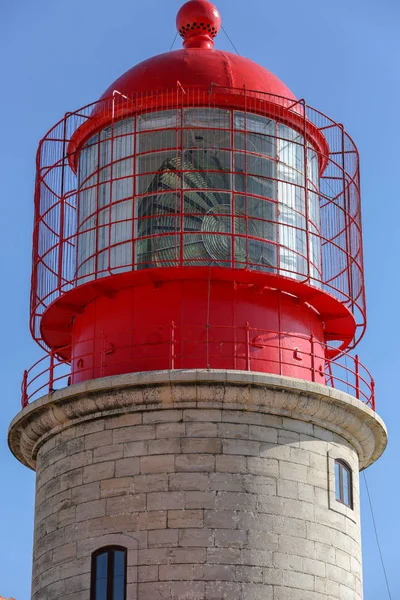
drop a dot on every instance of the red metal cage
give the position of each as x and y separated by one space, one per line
335 269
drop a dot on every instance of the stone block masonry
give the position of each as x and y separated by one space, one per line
213 499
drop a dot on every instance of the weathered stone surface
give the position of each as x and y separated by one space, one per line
211 503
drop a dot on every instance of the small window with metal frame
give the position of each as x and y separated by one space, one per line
343 483
108 575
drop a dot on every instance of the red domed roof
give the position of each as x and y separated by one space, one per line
187 77
198 67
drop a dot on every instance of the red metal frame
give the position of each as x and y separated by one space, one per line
57 291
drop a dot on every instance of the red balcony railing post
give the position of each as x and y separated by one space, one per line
24 389
247 329
357 373
51 373
328 367
172 351
312 358
102 355
372 394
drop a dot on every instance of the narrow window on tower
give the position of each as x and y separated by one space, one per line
343 483
108 581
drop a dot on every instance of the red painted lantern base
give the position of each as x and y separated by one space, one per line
185 318
192 324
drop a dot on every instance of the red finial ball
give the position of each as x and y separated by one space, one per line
198 22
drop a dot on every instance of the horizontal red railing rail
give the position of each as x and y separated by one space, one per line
344 372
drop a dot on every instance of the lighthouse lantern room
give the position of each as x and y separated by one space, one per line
197 216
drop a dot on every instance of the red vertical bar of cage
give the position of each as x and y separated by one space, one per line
245 166
172 348
102 353
357 376
360 259
306 206
372 394
312 355
347 218
62 208
232 185
111 181
248 357
37 219
180 124
24 389
328 363
276 195
279 330
134 191
179 196
51 372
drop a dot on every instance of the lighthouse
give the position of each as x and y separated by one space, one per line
198 421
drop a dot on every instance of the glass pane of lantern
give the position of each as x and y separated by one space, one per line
157 140
287 133
250 122
208 139
261 255
210 169
260 186
160 251
207 117
312 167
291 155
218 246
194 251
122 180
158 205
158 120
162 171
256 143
241 248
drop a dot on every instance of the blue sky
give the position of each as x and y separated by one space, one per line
342 57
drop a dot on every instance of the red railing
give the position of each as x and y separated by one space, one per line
344 372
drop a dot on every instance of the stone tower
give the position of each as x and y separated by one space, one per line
197 281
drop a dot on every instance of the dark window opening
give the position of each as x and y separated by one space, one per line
108 580
343 483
